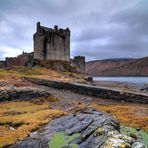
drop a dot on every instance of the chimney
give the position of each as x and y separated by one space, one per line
55 28
38 26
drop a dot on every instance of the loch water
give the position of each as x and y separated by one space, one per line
136 80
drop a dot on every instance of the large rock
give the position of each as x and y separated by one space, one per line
145 88
21 93
86 129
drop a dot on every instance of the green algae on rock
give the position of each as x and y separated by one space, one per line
132 131
61 140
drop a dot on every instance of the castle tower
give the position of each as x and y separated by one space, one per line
51 44
79 63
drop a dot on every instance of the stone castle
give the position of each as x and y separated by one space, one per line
50 46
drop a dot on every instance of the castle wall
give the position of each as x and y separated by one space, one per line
51 44
38 46
21 60
2 64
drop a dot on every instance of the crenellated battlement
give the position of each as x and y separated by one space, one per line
41 30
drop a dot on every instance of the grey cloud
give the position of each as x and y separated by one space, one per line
111 51
100 29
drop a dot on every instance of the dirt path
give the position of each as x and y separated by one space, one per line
69 100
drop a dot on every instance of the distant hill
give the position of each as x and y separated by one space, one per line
118 67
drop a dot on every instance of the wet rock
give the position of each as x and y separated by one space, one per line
22 93
116 143
115 135
145 88
3 83
86 129
89 79
138 145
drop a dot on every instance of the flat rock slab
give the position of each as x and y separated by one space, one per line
86 129
22 93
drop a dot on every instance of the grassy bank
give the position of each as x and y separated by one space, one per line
18 119
131 115
40 72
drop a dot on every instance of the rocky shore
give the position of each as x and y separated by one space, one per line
127 86
82 126
85 129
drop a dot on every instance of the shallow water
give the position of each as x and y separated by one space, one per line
138 80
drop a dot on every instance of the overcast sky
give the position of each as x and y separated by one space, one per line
100 29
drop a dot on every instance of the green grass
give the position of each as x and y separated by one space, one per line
60 140
21 71
129 130
24 116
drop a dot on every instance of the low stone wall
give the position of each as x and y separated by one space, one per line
25 59
101 92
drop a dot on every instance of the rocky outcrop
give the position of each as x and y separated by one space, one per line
145 88
86 129
56 65
21 93
102 92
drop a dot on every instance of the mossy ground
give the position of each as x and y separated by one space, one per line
39 72
132 131
18 119
132 115
61 140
